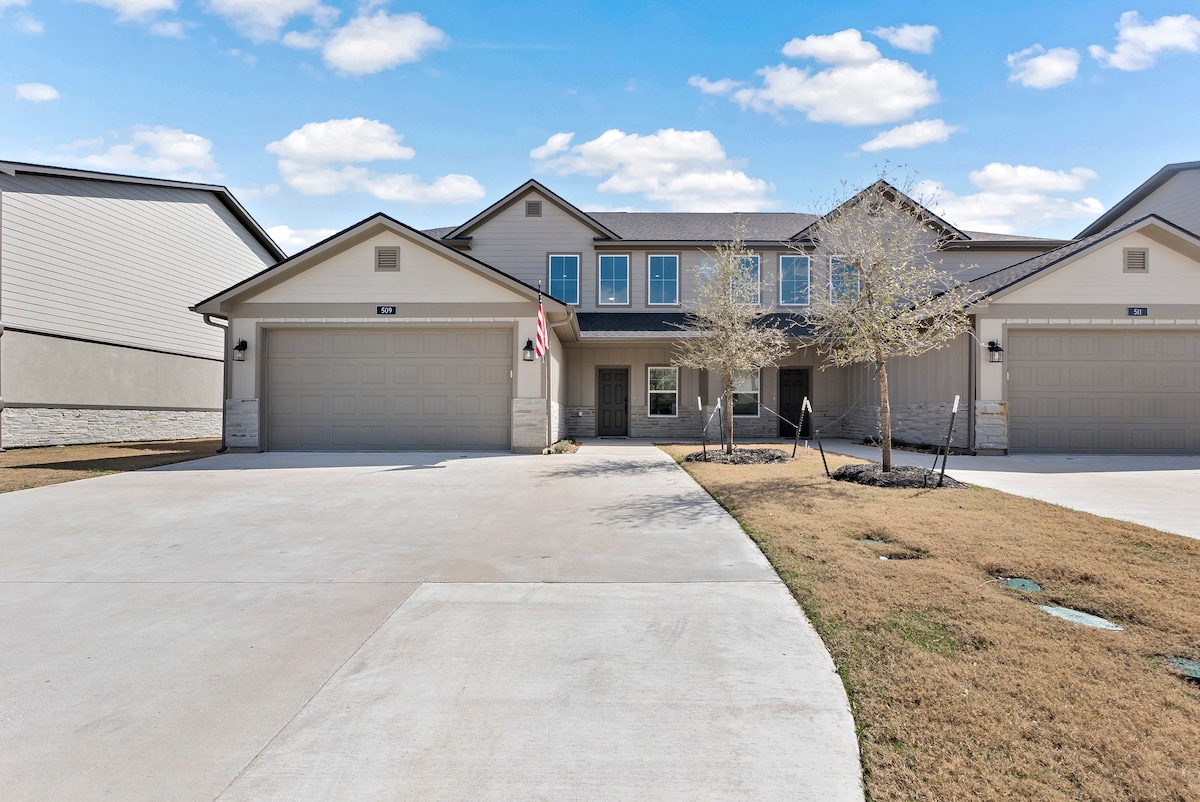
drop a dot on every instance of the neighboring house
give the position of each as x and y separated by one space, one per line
96 275
383 337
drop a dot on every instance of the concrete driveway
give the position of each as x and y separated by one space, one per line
1162 492
416 626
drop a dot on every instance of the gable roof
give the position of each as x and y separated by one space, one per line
529 186
1131 200
315 253
881 185
222 193
1009 277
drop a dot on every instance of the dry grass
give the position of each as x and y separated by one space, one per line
961 688
23 468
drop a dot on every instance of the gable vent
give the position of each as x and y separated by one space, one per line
387 258
533 208
1137 260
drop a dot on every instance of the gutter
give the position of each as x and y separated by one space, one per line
224 377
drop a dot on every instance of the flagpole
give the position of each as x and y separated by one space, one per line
546 361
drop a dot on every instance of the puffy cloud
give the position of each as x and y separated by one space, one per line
1000 177
353 140
157 151
27 25
262 20
37 93
685 170
916 38
1139 44
135 9
370 44
1039 68
324 159
8 3
912 135
859 87
1016 199
294 240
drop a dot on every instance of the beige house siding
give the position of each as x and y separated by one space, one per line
118 263
1178 200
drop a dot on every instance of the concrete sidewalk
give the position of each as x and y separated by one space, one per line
1162 492
406 626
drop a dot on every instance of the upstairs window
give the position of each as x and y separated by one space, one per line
614 280
745 393
664 280
749 269
843 280
564 277
793 280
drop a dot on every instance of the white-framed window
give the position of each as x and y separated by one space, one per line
749 268
844 282
614 279
793 280
663 385
662 279
564 277
745 393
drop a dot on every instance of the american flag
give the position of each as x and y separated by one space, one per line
542 343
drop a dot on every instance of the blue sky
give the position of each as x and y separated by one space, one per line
1027 118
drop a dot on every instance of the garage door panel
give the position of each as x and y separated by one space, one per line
379 390
1104 391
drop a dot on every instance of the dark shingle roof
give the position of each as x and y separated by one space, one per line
438 233
637 324
983 236
703 226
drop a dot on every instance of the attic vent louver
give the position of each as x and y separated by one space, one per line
533 208
1137 260
387 259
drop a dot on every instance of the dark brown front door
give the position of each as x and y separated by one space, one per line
612 402
793 389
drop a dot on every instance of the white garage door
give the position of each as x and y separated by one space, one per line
350 390
1104 391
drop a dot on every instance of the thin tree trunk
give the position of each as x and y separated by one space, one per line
885 418
728 413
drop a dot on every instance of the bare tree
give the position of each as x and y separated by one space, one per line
887 295
726 331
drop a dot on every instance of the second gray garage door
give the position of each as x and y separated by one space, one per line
1104 391
382 390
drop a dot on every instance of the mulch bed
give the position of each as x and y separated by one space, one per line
740 456
899 476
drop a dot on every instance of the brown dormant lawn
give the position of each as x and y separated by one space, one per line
22 468
961 687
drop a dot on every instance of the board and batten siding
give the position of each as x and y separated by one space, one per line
119 263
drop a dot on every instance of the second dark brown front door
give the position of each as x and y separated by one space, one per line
793 389
612 402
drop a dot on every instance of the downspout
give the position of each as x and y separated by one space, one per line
972 381
224 376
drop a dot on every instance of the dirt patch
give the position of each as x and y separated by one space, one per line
740 456
23 468
962 688
872 474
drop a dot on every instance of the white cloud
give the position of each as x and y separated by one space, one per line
9 3
916 38
1000 177
912 135
685 170
556 144
172 30
37 93
294 240
370 44
323 159
310 40
1016 199
135 9
860 87
1139 43
156 151
1039 68
27 25
262 20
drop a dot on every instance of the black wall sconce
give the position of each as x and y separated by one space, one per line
527 351
995 352
239 351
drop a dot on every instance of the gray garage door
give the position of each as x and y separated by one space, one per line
1104 391
343 390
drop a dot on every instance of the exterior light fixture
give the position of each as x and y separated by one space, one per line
995 352
239 351
527 351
